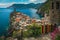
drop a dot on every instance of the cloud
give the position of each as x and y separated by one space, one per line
32 0
25 1
6 3
42 1
37 1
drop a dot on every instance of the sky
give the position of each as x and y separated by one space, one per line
6 3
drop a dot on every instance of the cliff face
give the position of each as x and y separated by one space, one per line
31 5
45 8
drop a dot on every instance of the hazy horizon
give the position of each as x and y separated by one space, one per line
7 3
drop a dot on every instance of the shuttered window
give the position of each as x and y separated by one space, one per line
57 5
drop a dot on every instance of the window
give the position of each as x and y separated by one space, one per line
52 5
52 11
57 5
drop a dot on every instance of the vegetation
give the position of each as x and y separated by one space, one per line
32 31
58 37
45 7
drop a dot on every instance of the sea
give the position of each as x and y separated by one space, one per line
5 17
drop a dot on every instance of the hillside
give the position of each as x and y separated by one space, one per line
31 5
45 8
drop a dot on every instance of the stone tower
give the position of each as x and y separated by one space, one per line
54 11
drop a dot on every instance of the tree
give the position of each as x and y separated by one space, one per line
33 30
45 7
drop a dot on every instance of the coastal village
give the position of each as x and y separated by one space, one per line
19 21
22 27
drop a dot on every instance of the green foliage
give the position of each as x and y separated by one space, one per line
33 30
14 34
45 7
27 33
1 39
58 37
